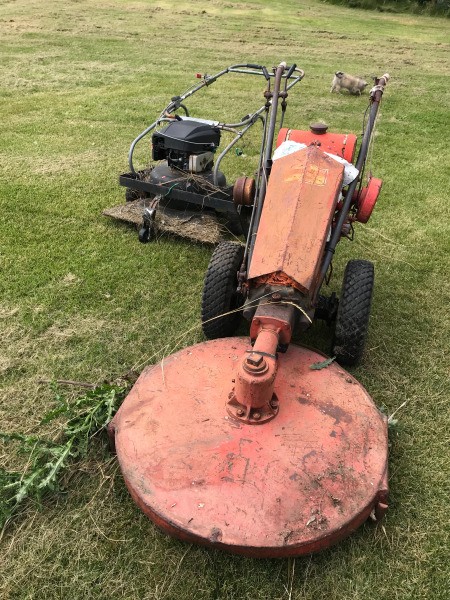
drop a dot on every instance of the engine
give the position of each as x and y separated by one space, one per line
187 145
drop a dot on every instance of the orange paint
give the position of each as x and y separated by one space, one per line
343 145
367 199
293 485
300 201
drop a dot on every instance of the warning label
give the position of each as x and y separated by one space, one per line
315 176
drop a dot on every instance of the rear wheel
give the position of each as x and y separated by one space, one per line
219 291
352 321
131 195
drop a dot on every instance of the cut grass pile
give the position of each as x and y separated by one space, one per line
81 299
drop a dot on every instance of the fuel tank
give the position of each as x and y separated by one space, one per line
341 144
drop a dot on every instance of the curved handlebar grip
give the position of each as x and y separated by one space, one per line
291 70
377 91
252 66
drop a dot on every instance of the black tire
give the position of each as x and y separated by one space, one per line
219 291
233 223
145 235
131 195
352 320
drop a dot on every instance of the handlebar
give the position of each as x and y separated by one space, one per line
254 70
292 73
377 91
375 98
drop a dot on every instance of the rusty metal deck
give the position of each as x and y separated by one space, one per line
290 486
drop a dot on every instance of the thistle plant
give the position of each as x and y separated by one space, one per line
48 460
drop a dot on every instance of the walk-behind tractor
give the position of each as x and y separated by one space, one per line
256 445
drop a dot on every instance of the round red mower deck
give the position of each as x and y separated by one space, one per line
290 486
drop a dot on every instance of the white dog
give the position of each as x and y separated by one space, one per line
342 80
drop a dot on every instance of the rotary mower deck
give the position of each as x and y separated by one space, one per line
255 445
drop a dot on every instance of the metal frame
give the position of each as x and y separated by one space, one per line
220 200
239 128
376 94
340 218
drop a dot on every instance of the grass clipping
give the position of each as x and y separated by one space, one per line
195 226
48 460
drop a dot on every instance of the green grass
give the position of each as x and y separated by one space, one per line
81 299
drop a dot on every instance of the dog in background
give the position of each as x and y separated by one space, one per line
341 80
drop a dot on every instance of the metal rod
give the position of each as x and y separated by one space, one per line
239 135
247 69
267 158
135 141
375 99
258 183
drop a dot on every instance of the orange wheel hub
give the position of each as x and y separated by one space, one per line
292 485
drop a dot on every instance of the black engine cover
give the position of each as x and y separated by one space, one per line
191 137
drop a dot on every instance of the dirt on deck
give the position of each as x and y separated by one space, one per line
196 226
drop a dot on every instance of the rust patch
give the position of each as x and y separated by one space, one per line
215 535
276 278
327 408
317 521
199 482
336 412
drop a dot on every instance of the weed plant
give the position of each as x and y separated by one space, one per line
48 460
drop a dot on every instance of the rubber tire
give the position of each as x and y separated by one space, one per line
352 320
144 235
131 195
233 223
219 291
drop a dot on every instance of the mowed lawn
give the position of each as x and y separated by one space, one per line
82 299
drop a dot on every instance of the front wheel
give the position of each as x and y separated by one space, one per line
144 235
219 291
352 321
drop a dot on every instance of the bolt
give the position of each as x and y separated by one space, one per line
348 380
255 366
240 412
274 404
254 359
257 416
276 296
